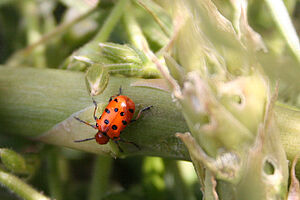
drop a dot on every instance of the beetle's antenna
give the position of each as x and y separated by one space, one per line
120 90
95 103
87 139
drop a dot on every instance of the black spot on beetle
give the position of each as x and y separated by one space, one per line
131 110
107 111
116 109
106 121
116 100
124 122
122 113
114 127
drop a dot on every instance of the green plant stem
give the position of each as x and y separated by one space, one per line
111 21
153 171
138 39
175 182
57 31
33 101
53 175
134 31
284 23
156 18
19 187
100 177
33 31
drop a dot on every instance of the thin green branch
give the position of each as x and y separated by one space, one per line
100 177
177 184
19 187
134 31
111 21
54 179
138 39
33 29
57 31
284 23
155 17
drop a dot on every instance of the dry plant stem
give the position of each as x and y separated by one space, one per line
294 189
33 101
19 187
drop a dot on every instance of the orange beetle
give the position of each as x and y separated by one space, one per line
116 116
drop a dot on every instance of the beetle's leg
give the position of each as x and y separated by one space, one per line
86 123
87 139
140 112
96 106
137 146
116 141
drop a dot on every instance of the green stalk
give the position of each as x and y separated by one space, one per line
34 46
19 187
92 47
53 175
138 39
284 23
100 177
174 181
155 17
134 31
111 21
153 176
33 31
57 31
135 34
33 101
